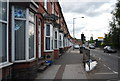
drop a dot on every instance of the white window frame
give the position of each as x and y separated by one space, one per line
51 38
26 37
34 36
7 63
56 30
61 34
45 4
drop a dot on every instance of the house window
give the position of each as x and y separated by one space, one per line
55 38
19 28
31 34
55 42
19 40
64 41
60 40
48 37
3 32
45 4
23 34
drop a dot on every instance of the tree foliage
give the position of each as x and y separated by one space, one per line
113 37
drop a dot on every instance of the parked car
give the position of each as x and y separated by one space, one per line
109 49
92 47
76 46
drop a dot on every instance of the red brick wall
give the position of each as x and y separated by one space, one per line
6 72
51 54
56 53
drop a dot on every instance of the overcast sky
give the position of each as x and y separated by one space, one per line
96 13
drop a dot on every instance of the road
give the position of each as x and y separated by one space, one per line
108 65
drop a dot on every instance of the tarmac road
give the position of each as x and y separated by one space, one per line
108 65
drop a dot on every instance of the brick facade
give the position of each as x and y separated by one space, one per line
28 69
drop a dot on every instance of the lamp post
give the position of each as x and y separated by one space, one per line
74 26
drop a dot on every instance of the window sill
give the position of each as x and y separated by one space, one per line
48 51
56 48
5 65
61 47
24 61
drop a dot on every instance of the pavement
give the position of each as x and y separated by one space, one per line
68 66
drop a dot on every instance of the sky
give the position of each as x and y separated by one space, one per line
96 13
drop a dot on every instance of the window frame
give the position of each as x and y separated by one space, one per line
56 39
29 59
27 21
51 38
61 34
6 63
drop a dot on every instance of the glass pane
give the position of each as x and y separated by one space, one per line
55 43
52 43
20 12
31 17
0 10
60 37
3 42
19 40
47 43
55 34
48 30
4 11
60 43
31 40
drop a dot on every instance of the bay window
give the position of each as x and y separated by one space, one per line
23 34
60 40
31 34
48 37
55 38
4 6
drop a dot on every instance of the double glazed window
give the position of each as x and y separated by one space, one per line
3 32
60 40
31 34
48 37
56 38
23 34
19 28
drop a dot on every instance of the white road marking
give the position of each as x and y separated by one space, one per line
104 65
99 58
109 68
105 73
109 54
115 72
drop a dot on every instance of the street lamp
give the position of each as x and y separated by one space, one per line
74 24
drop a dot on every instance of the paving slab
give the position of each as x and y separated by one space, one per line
74 71
49 73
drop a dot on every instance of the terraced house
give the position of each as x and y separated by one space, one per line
30 32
